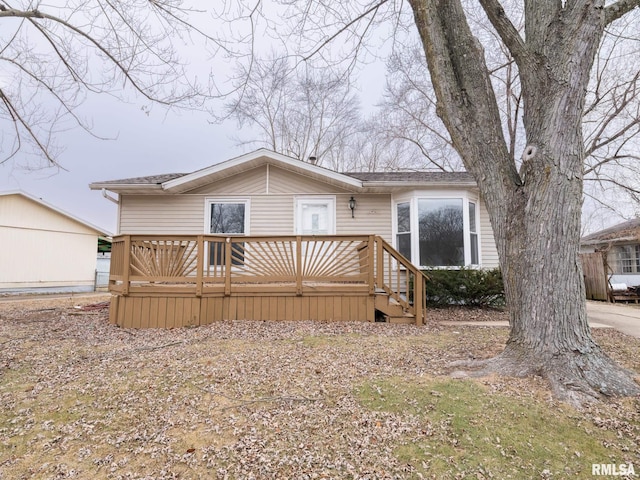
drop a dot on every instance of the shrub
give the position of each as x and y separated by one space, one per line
466 286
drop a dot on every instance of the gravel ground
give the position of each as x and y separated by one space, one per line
80 398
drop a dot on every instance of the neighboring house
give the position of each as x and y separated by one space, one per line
619 248
44 249
267 237
435 219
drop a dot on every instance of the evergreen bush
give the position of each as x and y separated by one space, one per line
465 286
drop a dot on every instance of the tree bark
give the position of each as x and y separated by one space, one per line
534 211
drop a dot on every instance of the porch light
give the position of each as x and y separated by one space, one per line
352 205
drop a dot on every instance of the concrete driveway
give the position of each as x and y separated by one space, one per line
623 317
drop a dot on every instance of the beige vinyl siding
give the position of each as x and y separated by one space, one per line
488 251
372 215
269 214
42 248
17 210
155 214
282 182
269 180
250 182
272 215
44 258
185 214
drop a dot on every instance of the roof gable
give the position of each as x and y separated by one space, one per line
54 216
267 179
253 160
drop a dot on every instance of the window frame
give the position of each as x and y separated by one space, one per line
207 214
473 233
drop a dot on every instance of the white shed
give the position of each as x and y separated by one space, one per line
44 249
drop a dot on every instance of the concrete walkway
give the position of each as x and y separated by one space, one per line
624 318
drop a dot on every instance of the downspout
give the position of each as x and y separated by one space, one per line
108 197
117 202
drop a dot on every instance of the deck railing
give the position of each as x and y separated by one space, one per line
226 265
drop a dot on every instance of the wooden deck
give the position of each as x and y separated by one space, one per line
162 281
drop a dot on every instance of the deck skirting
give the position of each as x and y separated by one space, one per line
175 310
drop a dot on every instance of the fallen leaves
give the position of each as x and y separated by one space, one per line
80 398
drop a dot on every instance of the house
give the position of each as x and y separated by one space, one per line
45 249
434 219
616 253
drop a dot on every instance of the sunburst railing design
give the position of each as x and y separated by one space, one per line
163 259
223 265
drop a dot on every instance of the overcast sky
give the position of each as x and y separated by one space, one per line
142 144
139 144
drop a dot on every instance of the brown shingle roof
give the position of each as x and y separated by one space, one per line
427 177
150 180
422 177
622 231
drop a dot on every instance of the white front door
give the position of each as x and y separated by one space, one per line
315 216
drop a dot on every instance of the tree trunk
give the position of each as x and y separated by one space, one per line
544 287
534 212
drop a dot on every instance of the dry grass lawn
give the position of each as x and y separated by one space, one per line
80 398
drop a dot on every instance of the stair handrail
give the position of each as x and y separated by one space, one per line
419 295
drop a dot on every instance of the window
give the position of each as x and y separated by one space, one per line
227 217
441 232
473 234
626 259
403 229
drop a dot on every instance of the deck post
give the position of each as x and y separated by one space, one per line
227 267
418 292
371 255
200 267
379 263
127 265
298 265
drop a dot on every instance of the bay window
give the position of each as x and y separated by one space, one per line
438 231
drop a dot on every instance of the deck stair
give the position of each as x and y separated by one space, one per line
389 308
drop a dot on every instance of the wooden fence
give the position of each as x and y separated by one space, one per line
595 276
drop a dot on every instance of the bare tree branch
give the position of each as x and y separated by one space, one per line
91 47
507 31
18 119
620 8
